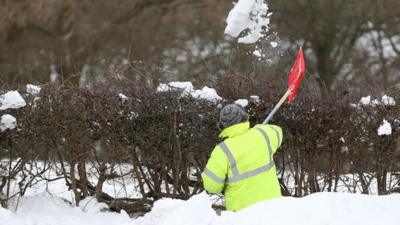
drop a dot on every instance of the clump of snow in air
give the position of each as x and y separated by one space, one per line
187 89
258 53
132 115
125 62
368 101
251 16
274 44
242 102
33 89
54 75
11 100
7 122
123 97
385 128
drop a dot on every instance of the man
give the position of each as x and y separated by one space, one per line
242 166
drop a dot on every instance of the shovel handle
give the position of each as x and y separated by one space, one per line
271 114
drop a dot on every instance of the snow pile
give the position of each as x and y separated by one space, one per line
315 209
11 100
320 208
90 204
47 210
251 16
343 209
195 211
242 102
368 101
385 128
7 122
187 89
8 218
33 89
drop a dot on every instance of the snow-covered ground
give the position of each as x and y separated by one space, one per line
51 203
318 209
44 209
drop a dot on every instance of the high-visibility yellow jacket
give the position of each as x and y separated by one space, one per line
242 166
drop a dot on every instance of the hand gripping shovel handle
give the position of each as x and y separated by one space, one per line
271 114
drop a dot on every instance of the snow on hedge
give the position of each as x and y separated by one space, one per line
209 94
251 16
187 89
385 128
255 98
368 101
242 102
33 89
11 100
7 122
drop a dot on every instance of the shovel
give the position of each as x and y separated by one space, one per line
295 77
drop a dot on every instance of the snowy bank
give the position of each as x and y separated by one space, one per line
47 210
318 209
315 209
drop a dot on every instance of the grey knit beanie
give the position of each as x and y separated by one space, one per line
232 114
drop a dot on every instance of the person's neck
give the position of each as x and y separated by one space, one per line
235 130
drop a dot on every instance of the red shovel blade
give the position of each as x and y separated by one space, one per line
296 75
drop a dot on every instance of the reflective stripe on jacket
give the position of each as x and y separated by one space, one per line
242 166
